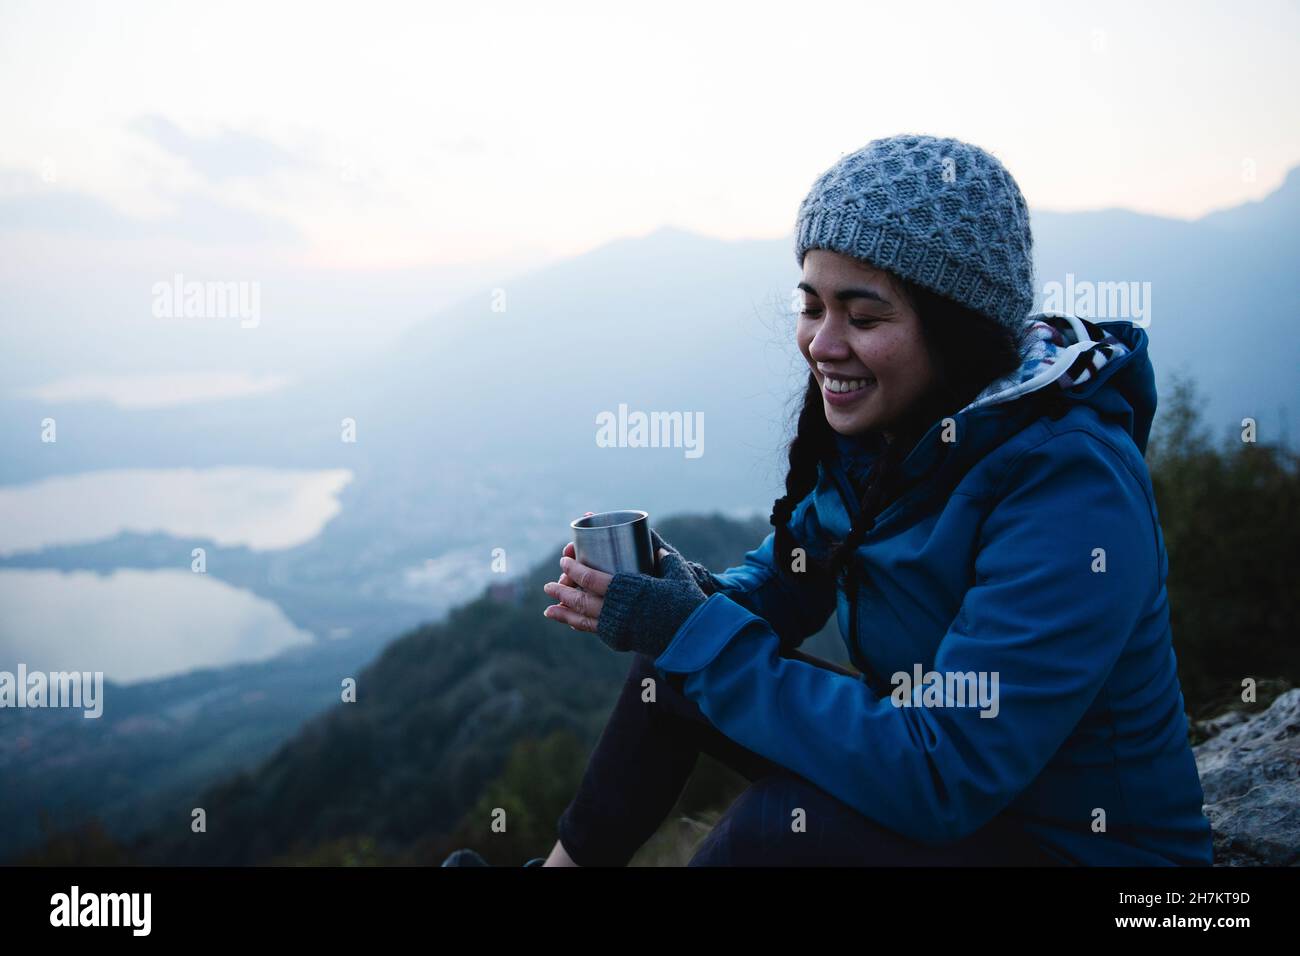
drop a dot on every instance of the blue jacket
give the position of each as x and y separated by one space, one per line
1028 550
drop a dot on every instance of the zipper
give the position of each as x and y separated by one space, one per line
870 677
850 505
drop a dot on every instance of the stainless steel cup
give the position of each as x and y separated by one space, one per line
614 541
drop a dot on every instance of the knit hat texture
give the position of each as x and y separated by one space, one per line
945 214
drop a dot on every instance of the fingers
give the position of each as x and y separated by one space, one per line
564 575
584 577
580 591
568 552
583 602
576 621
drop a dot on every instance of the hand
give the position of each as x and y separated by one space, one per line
581 592
703 576
656 540
643 613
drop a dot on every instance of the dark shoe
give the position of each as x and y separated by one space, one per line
465 858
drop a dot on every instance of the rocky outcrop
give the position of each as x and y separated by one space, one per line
1250 772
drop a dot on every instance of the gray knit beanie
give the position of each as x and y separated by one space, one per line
943 213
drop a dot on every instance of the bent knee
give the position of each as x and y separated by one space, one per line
770 824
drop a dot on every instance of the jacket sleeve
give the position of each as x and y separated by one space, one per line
796 605
1039 618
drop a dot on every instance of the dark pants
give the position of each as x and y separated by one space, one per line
646 754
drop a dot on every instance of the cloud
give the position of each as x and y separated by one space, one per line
160 390
36 206
229 154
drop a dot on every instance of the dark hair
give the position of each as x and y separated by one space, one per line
969 351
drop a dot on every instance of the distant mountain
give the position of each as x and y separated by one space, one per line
1223 289
1275 215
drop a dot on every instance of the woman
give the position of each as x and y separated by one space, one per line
967 490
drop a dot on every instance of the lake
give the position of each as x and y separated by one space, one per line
263 508
141 624
134 625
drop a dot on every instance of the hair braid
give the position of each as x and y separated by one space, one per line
811 442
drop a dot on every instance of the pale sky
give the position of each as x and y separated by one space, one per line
375 135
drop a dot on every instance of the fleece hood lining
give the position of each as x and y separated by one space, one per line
1057 344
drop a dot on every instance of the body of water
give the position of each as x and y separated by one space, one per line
263 508
142 624
134 625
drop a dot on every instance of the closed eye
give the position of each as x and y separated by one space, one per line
857 321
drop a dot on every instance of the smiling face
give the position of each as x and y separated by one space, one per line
858 331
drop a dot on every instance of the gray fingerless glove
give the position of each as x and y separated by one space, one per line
703 576
643 613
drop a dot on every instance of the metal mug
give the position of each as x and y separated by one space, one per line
614 541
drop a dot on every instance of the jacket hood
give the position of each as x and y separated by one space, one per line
1104 365
1081 358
